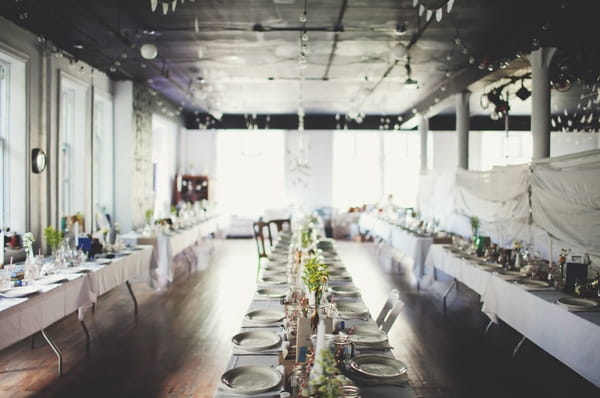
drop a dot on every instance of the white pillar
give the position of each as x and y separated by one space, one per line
462 128
423 131
540 101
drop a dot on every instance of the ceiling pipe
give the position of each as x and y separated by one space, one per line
413 41
338 27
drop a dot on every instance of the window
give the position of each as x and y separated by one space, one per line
72 134
250 172
164 144
14 167
103 152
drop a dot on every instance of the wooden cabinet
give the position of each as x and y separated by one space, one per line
190 188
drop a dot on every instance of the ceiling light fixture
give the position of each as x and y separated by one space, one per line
149 51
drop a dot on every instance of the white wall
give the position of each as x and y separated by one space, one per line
444 153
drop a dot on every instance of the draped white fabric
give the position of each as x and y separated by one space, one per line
564 203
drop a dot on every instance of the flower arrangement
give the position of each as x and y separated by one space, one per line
53 237
315 276
327 383
148 216
28 240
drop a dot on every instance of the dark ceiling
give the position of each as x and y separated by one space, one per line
349 57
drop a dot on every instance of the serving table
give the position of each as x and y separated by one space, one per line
407 242
168 245
272 358
22 317
571 337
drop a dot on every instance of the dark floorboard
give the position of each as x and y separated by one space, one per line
180 342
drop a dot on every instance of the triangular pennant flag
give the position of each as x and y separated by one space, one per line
196 26
415 2
421 9
439 14
429 14
174 5
450 5
153 5
165 8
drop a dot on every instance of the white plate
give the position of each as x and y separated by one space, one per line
249 380
102 261
70 270
264 316
365 335
258 340
531 284
50 279
21 291
272 292
274 280
378 366
508 274
347 310
578 304
344 290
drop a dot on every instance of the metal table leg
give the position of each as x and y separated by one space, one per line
519 344
135 304
452 286
487 329
55 349
87 338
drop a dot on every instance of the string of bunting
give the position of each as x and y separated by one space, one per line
430 11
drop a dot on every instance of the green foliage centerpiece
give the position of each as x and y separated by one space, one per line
315 278
53 238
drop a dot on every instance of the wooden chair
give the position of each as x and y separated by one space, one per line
392 307
280 225
262 232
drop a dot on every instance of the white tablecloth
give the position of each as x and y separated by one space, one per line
22 317
571 337
398 238
169 245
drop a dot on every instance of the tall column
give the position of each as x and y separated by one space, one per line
462 128
540 101
423 130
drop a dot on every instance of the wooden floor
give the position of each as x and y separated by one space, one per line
179 344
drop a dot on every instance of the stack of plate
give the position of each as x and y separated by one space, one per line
351 310
21 291
377 366
253 379
257 340
531 284
272 292
578 304
264 317
365 335
345 290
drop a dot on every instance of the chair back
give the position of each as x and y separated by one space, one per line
262 232
392 307
279 226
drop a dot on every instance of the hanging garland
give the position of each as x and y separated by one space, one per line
437 9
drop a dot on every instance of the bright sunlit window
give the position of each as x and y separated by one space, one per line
164 139
72 119
13 154
370 165
497 148
103 151
250 171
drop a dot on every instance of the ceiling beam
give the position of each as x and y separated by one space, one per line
338 26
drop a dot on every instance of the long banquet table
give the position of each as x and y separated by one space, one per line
412 245
271 358
571 337
24 316
166 246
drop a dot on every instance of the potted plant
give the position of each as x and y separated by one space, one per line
325 382
474 220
